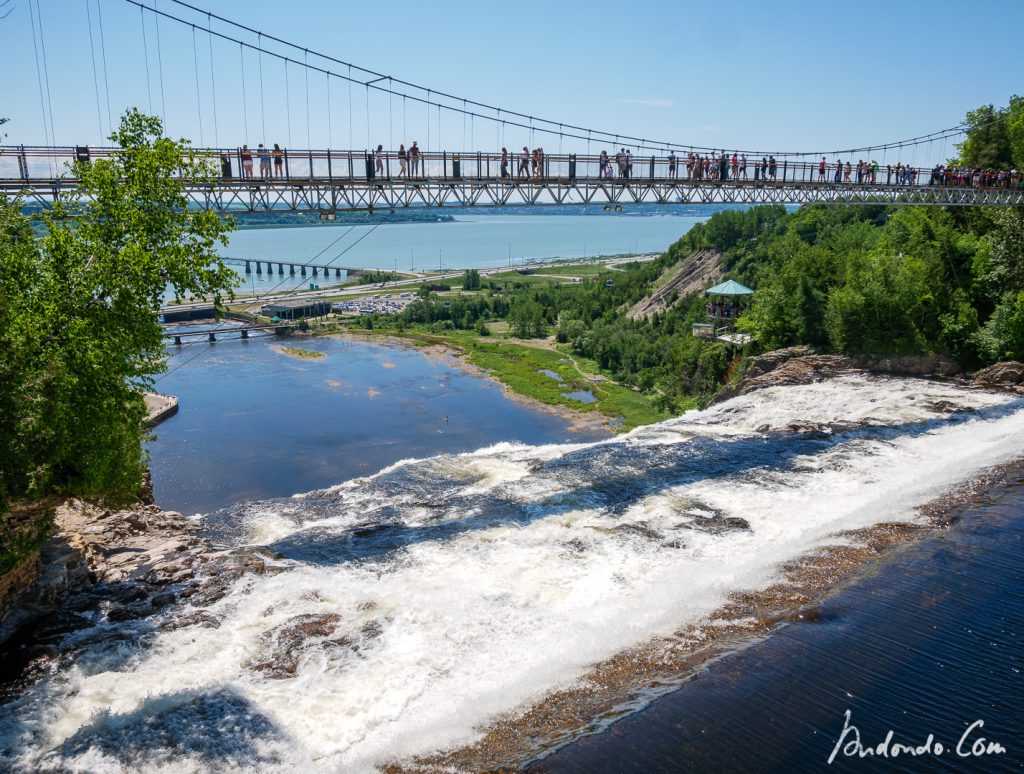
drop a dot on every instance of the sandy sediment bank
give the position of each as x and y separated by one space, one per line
453 356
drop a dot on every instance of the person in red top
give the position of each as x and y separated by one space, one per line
821 170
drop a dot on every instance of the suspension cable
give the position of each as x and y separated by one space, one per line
103 51
287 294
46 69
263 114
642 143
39 79
306 73
213 85
160 66
245 100
145 52
199 98
95 76
288 102
330 131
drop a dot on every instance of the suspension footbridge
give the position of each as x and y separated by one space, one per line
234 68
327 181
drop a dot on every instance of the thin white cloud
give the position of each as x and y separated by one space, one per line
656 103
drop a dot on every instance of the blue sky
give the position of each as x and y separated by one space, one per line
784 75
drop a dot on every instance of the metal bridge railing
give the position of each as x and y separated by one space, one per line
32 164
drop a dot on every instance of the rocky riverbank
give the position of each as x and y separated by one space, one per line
102 565
806 365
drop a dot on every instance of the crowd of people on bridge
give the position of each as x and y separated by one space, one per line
697 167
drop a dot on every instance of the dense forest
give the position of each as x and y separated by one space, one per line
853 279
848 279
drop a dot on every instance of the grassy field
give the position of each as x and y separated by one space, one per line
583 270
525 279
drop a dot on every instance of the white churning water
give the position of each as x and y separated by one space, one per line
447 591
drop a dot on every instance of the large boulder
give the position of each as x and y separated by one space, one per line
1006 374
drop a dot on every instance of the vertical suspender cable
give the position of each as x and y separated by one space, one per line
404 135
95 77
428 128
288 101
199 97
160 67
330 132
39 79
245 102
213 84
368 146
391 115
263 109
145 53
103 51
305 71
350 107
46 70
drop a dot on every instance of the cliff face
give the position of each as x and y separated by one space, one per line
804 365
690 275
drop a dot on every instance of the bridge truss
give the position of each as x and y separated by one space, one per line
329 196
327 182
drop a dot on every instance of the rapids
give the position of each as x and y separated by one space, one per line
411 607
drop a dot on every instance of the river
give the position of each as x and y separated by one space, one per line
474 559
462 587
256 423
470 241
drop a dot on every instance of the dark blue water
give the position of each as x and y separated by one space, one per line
926 643
254 423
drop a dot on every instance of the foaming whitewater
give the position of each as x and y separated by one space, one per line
411 607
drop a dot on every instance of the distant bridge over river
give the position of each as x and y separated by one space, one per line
314 268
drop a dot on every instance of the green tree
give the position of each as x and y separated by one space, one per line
810 312
471 280
1003 335
995 136
526 317
79 309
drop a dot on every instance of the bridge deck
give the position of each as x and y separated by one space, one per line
332 181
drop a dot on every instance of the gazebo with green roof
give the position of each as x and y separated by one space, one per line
729 288
720 310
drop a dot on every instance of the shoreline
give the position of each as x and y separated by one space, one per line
629 682
455 357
